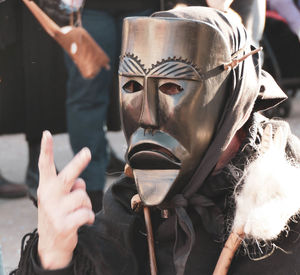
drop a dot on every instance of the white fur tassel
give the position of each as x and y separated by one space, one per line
270 193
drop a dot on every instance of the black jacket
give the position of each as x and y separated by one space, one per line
32 75
117 244
119 6
8 23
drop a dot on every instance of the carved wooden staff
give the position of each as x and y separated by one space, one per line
150 240
232 244
76 41
136 205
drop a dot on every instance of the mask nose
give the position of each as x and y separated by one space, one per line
149 114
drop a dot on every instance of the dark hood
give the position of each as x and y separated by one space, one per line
252 88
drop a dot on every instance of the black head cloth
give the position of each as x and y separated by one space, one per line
251 90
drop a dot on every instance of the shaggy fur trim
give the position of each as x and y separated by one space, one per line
269 195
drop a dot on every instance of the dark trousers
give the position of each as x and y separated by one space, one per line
88 100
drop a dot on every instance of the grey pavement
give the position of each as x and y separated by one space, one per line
19 216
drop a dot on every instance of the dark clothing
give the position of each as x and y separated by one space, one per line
88 100
169 4
247 92
45 79
12 109
286 48
32 75
117 242
121 6
8 23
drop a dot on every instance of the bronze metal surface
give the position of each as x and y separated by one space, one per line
172 88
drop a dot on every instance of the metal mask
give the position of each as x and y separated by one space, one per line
172 92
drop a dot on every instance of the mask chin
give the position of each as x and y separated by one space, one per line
155 169
154 185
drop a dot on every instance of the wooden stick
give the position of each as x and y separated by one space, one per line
232 244
150 240
235 62
135 204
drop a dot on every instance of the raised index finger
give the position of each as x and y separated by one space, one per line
46 160
74 168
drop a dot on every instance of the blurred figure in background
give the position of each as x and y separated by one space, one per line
32 86
289 10
88 100
10 80
283 33
252 12
44 88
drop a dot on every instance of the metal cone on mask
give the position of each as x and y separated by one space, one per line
154 185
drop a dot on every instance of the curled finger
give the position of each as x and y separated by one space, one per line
79 184
78 218
74 168
75 200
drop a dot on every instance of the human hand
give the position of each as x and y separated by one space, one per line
63 206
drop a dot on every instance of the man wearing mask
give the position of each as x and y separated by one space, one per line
191 87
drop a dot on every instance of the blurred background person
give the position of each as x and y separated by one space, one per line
32 85
88 101
10 85
44 90
283 33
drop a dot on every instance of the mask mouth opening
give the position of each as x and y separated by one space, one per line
148 156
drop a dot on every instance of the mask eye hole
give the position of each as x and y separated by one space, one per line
132 86
170 88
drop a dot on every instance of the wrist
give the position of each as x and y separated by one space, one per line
53 259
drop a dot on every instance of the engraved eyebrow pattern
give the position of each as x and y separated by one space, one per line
160 67
127 66
135 66
187 72
174 68
130 64
188 76
171 67
167 70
